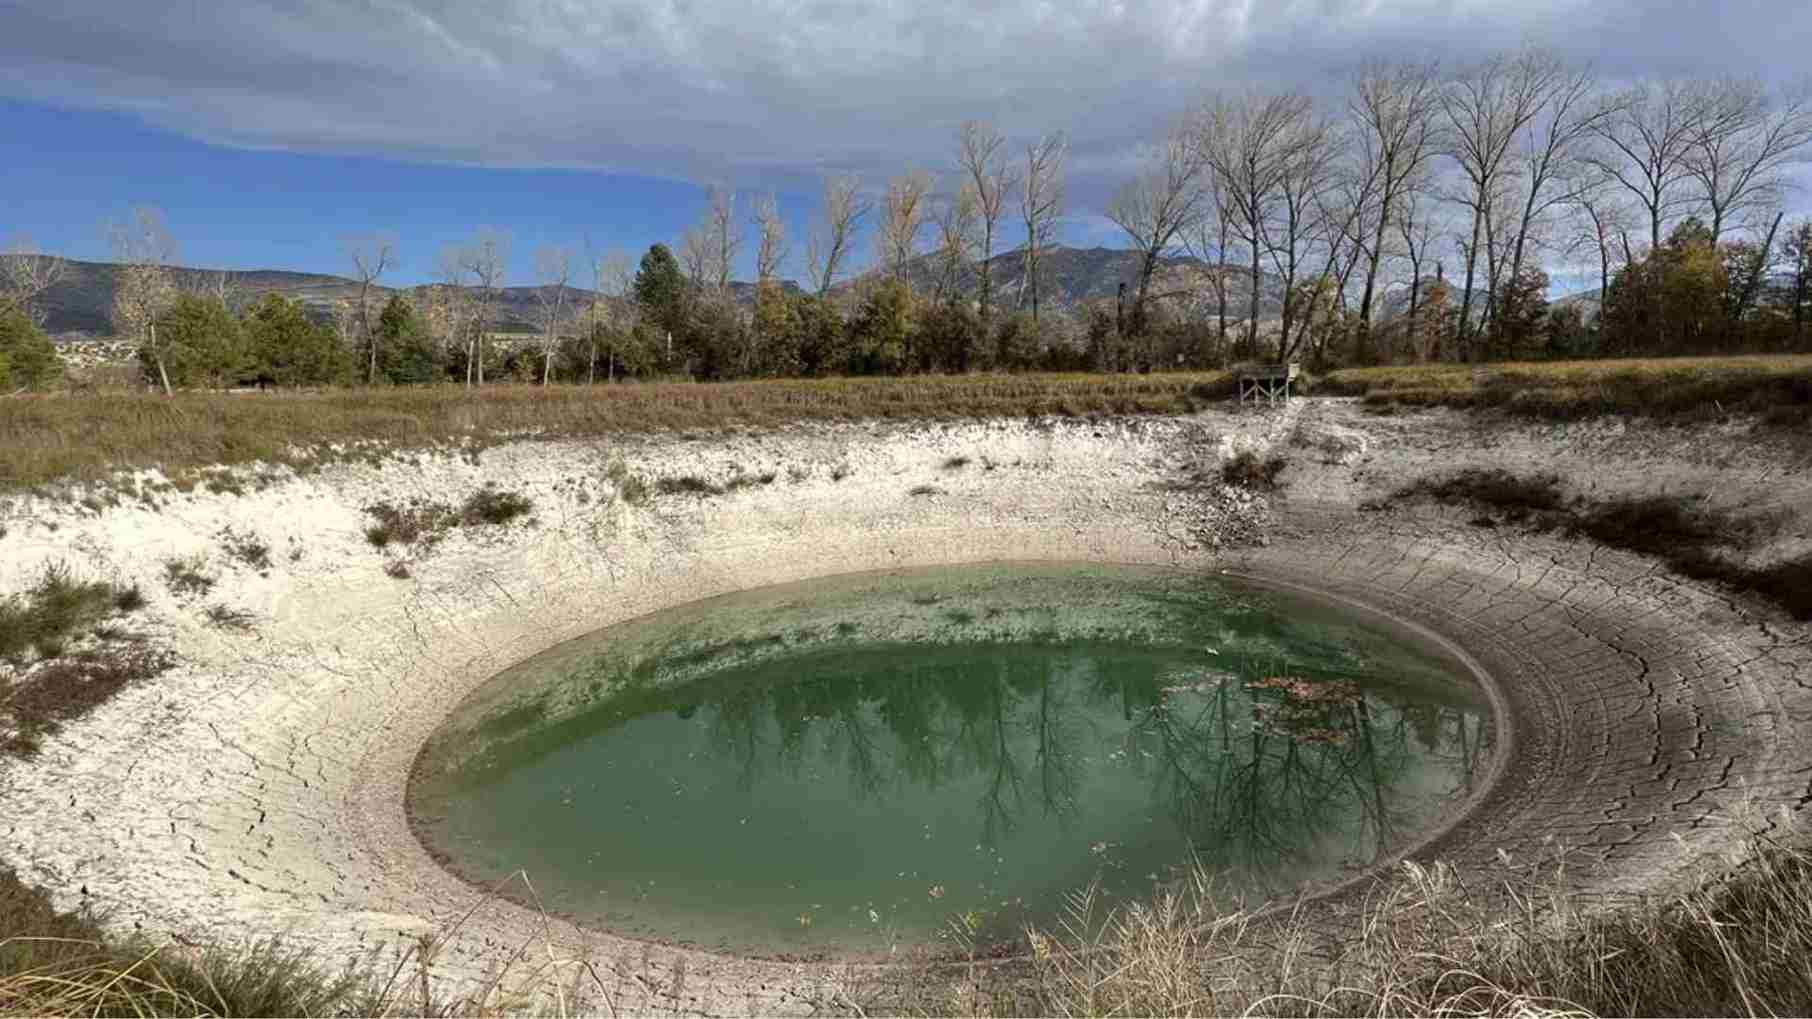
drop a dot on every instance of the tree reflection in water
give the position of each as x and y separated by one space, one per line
1260 766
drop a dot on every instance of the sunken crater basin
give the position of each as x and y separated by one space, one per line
261 788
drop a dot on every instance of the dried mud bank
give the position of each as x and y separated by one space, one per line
258 788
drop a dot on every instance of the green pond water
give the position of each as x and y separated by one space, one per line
868 763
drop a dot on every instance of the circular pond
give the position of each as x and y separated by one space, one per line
871 762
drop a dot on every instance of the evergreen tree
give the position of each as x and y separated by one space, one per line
290 349
28 360
660 290
408 353
202 344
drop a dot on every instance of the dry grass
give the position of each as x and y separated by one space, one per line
1249 470
1777 388
1732 942
421 522
58 963
88 436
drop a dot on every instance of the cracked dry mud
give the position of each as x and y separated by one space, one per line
258 789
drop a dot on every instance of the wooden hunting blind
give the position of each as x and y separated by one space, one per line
1270 381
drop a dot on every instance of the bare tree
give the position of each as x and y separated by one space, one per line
1488 107
1415 225
554 269
1308 215
770 239
1209 241
1394 108
991 180
28 274
371 255
829 243
770 252
1551 148
1041 205
486 260
903 213
1602 220
1645 145
1155 207
959 222
613 282
1248 145
1740 145
144 249
726 237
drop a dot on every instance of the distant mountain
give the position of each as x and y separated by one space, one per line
1395 303
81 302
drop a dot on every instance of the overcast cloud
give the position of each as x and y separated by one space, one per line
772 93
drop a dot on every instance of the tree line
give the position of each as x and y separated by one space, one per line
1411 219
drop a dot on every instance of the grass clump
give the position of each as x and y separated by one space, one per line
52 611
413 523
493 507
423 523
56 963
64 689
686 484
225 617
247 549
1249 470
187 577
632 487
956 463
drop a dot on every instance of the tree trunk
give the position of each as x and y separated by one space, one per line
370 337
1252 304
157 355
1746 297
1220 286
1461 328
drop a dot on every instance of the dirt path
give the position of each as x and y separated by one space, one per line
258 789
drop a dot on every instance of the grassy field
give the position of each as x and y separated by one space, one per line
87 436
1776 388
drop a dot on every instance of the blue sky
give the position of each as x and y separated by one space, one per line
270 130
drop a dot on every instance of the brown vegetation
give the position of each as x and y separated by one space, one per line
1776 388
89 437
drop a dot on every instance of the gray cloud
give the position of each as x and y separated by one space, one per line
771 92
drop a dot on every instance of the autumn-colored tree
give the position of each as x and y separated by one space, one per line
1797 250
1518 328
1671 302
774 329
